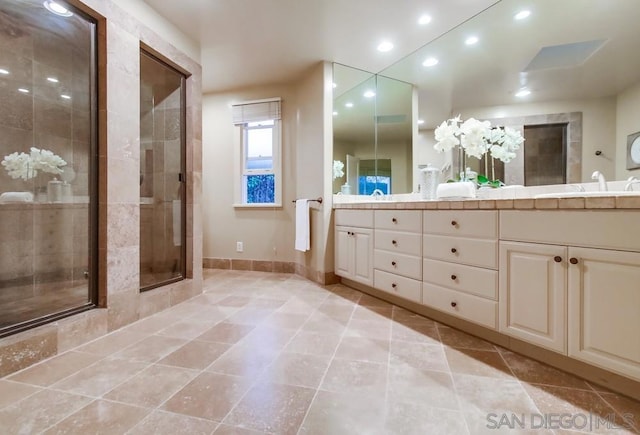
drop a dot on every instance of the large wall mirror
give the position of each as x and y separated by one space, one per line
372 132
571 66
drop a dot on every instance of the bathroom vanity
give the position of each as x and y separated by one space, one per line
556 279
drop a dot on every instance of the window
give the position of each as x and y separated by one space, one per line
259 183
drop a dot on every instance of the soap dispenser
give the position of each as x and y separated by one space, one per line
54 190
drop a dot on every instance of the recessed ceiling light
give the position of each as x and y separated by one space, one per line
4 71
66 97
348 105
522 15
471 40
334 85
385 46
23 90
52 79
420 121
523 93
369 94
424 19
335 113
56 8
431 61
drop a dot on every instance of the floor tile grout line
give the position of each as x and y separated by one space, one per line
342 335
633 423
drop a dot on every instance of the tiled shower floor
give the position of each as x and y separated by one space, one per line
261 352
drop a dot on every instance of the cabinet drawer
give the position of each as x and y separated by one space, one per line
400 264
468 223
402 243
474 280
354 218
466 306
474 252
399 220
398 285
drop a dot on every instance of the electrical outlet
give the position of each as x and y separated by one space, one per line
239 247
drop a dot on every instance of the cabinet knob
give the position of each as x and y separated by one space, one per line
557 259
454 304
394 220
573 260
454 250
394 285
394 243
393 263
454 277
454 223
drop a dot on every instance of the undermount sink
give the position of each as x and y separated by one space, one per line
584 194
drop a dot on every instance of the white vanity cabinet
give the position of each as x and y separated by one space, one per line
354 245
460 260
398 253
574 268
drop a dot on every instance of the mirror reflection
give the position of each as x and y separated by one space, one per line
567 76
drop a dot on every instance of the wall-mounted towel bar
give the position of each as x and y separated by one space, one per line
318 200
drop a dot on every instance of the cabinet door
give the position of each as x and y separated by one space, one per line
533 293
343 252
363 255
604 309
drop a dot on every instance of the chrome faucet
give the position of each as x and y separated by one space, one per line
602 182
630 182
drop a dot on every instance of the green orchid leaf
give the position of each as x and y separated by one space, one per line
482 179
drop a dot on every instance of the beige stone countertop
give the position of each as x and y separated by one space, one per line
575 203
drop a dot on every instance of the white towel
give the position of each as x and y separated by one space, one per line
302 225
177 224
459 190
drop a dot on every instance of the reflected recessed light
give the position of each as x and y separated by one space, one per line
56 8
334 85
369 94
522 15
471 40
424 20
66 97
23 90
420 121
335 113
4 71
385 46
431 61
348 105
523 93
52 79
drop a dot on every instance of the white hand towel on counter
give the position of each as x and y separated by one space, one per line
302 225
458 190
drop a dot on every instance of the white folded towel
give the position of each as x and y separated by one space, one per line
458 190
7 197
302 225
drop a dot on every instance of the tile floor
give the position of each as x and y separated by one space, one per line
272 353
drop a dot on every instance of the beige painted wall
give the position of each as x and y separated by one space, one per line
598 128
627 122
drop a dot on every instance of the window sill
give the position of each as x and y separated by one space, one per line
259 205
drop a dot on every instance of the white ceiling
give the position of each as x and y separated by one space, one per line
254 42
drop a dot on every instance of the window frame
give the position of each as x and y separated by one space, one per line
241 157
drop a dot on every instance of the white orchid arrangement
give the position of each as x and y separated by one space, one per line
477 138
26 166
338 169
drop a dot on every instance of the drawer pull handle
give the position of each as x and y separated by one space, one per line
393 263
394 243
557 259
453 277
573 260
454 304
454 250
454 223
394 220
394 285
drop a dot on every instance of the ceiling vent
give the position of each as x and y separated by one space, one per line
564 55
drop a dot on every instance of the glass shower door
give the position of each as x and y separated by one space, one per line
162 187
